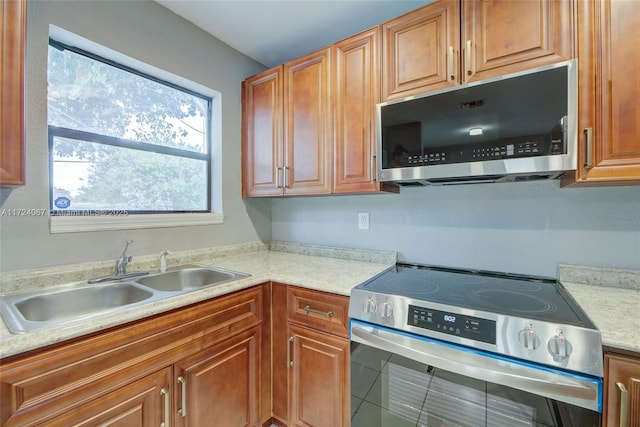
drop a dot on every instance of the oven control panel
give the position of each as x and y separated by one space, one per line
456 324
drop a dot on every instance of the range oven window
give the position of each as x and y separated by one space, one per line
390 390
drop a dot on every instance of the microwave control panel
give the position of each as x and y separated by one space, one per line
456 324
478 153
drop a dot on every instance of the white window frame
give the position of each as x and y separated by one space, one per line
122 221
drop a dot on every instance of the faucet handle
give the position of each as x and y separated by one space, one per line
123 260
126 246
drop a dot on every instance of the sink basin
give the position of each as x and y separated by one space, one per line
79 302
27 311
189 278
35 309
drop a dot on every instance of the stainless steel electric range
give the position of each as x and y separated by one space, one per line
434 346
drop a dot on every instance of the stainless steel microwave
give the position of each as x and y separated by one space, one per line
515 127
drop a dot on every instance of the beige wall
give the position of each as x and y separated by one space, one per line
145 31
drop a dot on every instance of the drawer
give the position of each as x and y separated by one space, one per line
319 310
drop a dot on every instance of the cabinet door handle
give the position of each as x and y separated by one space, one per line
278 179
374 171
167 414
450 66
289 343
308 309
286 177
624 404
183 397
467 58
588 134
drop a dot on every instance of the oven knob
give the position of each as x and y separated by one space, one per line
369 306
559 346
528 338
386 310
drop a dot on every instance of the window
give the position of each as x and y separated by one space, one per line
124 143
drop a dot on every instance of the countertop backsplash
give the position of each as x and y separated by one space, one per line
593 276
52 276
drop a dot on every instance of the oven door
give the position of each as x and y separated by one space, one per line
400 379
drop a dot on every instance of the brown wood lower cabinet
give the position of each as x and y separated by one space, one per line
137 404
271 353
197 366
310 358
622 393
219 386
319 386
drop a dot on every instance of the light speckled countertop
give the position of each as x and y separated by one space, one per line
611 298
290 265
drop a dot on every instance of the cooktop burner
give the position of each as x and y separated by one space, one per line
514 295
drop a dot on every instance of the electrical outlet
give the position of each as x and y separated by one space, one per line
363 220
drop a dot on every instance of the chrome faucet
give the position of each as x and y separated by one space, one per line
123 260
163 260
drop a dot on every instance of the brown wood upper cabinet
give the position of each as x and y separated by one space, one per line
309 125
609 110
262 150
449 42
13 16
356 91
287 128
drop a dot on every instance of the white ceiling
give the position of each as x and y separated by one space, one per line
274 32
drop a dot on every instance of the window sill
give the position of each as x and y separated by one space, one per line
75 224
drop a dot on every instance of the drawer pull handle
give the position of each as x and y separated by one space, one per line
167 414
624 404
308 309
183 397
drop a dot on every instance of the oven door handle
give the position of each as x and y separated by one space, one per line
571 388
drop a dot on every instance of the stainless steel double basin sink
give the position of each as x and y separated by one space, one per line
27 311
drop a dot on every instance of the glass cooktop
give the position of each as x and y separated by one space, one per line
513 295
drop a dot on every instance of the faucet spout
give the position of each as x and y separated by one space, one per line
123 260
163 260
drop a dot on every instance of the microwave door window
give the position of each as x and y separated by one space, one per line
520 116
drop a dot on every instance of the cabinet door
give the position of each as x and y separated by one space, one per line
609 91
420 50
13 16
220 386
356 91
319 379
505 36
262 156
622 395
307 124
140 404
